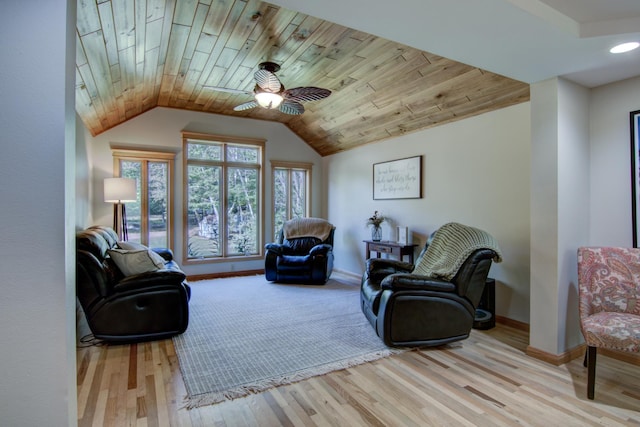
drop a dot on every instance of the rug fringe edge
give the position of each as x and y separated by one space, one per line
212 398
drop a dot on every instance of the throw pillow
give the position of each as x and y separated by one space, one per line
138 261
131 246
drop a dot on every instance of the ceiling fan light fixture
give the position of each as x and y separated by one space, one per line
624 47
269 100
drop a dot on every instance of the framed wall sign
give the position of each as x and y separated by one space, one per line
635 174
398 179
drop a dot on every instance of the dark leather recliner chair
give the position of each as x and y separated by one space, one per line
303 253
413 310
147 306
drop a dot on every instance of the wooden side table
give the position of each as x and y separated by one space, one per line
396 249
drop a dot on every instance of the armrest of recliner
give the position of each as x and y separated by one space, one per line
275 248
390 266
150 279
406 282
379 268
165 253
321 249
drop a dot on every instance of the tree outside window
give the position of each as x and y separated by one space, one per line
149 218
291 192
223 206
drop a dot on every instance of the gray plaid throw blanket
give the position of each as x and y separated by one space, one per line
451 246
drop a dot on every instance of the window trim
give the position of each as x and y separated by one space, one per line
124 153
290 165
231 140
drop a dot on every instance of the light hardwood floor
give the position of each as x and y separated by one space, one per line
486 380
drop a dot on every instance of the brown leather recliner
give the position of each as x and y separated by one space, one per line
414 310
146 306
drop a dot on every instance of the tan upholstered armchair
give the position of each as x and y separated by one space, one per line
609 291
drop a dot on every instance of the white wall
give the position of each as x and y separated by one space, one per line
581 137
544 215
37 247
161 128
559 210
610 209
573 203
83 176
475 171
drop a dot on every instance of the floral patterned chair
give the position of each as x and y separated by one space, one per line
609 292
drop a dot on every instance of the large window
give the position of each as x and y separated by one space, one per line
223 197
291 192
149 218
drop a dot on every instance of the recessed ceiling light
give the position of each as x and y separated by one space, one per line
624 47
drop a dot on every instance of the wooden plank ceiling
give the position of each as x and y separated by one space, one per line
134 56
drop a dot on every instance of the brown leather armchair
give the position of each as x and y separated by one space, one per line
408 308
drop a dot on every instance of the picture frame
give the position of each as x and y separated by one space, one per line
634 119
398 179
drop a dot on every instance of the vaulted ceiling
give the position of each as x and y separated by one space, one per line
134 56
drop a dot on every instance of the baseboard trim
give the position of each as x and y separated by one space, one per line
556 359
515 324
196 277
633 358
579 351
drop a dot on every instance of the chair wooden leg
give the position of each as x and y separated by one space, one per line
590 359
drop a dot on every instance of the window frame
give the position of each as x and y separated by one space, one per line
259 166
290 166
145 156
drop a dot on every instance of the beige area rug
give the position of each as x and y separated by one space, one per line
246 335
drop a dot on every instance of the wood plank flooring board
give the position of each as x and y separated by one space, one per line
451 395
486 380
446 392
571 408
392 413
428 396
293 412
352 403
331 408
399 407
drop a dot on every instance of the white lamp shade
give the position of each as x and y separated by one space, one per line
120 190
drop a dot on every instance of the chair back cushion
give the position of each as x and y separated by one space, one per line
301 245
609 280
97 240
95 271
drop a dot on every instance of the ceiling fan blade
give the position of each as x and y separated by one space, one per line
245 106
291 107
228 90
267 81
302 94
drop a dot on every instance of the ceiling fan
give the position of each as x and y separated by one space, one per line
269 93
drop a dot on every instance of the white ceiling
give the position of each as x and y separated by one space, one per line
527 40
